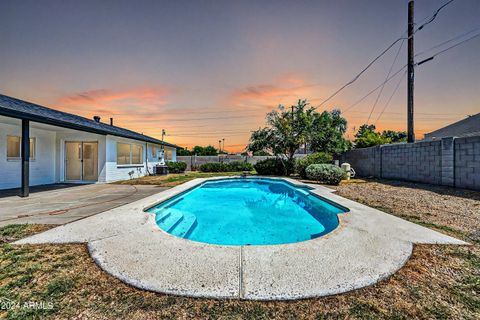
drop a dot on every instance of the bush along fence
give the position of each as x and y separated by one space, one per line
196 161
449 161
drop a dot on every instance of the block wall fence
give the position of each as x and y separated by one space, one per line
449 161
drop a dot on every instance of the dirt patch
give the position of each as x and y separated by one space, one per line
456 211
13 232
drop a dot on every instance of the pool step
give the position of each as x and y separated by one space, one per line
185 228
172 220
319 232
162 215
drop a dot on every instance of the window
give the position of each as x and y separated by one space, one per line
168 155
154 152
129 153
137 154
14 150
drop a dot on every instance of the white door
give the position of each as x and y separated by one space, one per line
81 161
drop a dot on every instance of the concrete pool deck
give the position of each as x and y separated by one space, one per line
369 245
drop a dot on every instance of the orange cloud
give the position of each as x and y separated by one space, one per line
142 99
284 90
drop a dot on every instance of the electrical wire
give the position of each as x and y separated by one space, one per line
432 18
447 41
391 96
375 89
383 86
453 46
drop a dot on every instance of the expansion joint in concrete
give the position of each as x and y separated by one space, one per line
241 289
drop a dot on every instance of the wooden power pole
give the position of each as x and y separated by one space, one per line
411 74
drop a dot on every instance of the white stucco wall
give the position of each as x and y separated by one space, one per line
115 172
42 168
49 163
73 135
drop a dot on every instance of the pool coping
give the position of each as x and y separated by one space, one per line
367 246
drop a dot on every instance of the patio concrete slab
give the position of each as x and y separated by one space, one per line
369 245
68 203
199 270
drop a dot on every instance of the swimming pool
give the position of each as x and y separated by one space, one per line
247 211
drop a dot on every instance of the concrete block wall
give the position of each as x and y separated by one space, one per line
362 160
450 162
419 161
467 162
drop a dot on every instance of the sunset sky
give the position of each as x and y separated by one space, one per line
207 70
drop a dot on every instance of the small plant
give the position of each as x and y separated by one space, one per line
176 167
326 173
314 158
273 167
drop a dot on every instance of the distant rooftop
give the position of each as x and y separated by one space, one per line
469 126
16 108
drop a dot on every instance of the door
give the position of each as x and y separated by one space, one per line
81 161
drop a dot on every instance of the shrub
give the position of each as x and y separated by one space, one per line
213 167
326 173
233 166
273 167
236 166
314 158
176 167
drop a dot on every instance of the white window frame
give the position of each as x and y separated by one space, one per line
33 148
130 164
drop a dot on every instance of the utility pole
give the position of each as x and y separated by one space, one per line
411 74
163 136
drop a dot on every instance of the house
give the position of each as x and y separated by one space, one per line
39 145
463 128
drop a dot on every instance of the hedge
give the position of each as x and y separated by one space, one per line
273 167
176 167
234 166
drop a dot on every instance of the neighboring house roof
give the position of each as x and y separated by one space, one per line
466 127
16 108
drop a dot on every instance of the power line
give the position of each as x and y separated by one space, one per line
391 96
361 72
447 41
383 86
451 47
432 18
372 91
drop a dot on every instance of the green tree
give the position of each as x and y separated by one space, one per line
204 151
327 133
183 152
261 153
367 136
287 130
395 136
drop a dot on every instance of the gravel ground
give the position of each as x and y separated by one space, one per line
439 207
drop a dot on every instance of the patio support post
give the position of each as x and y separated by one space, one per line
25 147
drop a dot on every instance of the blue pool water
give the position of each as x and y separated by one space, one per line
247 211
